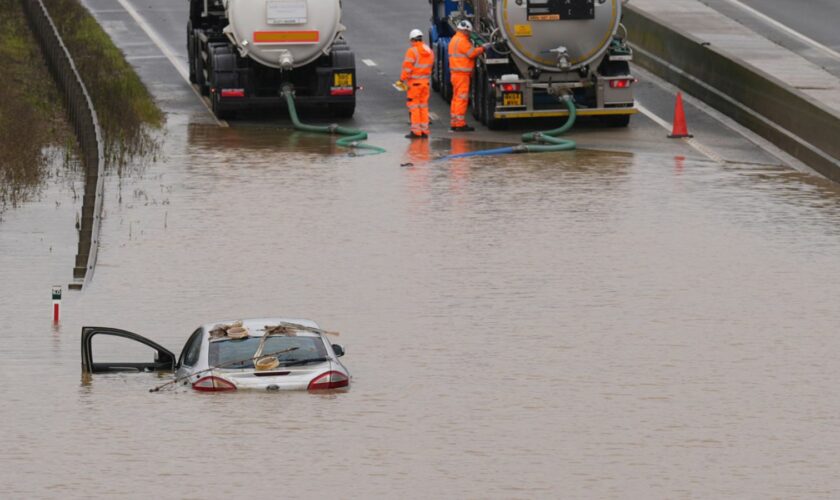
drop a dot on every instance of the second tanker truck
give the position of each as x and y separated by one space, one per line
542 50
243 52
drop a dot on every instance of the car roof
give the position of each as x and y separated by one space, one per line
255 326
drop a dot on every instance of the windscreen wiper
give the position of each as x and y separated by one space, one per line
303 361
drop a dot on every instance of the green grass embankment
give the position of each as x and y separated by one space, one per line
126 110
32 117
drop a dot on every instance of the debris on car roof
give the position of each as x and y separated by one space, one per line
288 329
232 331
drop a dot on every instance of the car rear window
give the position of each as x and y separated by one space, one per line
229 351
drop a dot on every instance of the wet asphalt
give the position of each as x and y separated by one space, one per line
152 33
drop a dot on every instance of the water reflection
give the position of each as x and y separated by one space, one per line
585 308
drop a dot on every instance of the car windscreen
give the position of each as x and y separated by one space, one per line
227 352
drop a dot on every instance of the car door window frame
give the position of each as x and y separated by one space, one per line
164 359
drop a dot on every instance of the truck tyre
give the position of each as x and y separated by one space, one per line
490 107
198 64
221 114
191 51
476 91
614 68
482 96
616 121
222 75
436 72
445 81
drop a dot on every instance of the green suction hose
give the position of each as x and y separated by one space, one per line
550 141
550 136
354 136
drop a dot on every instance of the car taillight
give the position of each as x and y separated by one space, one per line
621 84
329 380
211 384
511 87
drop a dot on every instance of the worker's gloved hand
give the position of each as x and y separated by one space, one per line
487 46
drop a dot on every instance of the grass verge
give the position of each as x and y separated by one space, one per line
32 118
126 110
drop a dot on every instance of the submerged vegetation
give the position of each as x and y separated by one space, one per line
127 112
32 118
33 121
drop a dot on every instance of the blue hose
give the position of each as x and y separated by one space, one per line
546 141
489 152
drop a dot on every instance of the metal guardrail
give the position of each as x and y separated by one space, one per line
88 133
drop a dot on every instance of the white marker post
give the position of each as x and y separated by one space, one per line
56 299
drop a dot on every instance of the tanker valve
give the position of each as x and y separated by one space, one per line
562 57
286 60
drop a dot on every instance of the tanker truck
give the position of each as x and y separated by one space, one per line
542 50
243 52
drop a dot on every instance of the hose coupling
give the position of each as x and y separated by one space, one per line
332 128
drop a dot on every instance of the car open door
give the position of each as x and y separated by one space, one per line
163 360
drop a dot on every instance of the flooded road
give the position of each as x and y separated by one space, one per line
538 326
643 323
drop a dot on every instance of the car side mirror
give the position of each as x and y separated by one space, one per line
338 350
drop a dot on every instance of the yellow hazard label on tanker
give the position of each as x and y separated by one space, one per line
522 30
343 80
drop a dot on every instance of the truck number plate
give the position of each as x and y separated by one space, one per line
343 80
560 10
285 12
512 99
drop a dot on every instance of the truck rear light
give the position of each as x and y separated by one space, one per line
329 380
511 87
622 84
213 384
341 91
233 93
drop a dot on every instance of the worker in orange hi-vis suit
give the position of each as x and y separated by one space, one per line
416 74
462 56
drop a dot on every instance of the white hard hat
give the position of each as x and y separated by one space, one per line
465 25
415 33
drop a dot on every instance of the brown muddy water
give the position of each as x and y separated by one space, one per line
578 325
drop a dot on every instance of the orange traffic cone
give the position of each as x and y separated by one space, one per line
680 127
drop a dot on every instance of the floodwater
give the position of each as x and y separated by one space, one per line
568 325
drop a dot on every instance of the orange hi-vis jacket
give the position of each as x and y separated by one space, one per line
462 54
418 62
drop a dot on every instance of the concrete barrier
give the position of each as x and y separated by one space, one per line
793 121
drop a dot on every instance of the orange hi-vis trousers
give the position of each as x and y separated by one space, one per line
418 105
460 98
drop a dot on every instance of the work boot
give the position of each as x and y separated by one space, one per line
462 128
413 136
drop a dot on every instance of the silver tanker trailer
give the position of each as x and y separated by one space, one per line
243 52
542 50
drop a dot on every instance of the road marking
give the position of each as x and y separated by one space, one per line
179 65
143 58
699 147
790 31
369 62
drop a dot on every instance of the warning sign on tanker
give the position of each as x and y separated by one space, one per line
522 30
285 12
560 10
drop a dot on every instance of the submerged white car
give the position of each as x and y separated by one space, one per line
264 354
